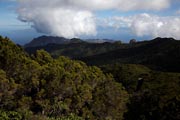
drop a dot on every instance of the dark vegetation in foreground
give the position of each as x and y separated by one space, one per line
39 87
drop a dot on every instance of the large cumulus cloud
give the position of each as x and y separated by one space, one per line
73 18
57 18
147 25
156 26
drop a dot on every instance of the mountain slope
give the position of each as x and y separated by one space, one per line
160 53
77 49
43 88
44 40
154 95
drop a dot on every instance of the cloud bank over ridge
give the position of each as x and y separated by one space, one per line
73 18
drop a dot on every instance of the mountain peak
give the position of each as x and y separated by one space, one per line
44 40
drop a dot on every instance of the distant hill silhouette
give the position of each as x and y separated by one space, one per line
73 48
99 40
158 54
45 40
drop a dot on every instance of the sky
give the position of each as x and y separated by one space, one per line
22 20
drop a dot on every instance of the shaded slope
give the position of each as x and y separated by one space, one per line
154 95
160 53
77 50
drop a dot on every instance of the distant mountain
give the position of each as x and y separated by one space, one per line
45 40
99 40
76 48
73 48
159 54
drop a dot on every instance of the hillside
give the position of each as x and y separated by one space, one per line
42 41
43 88
39 87
154 95
77 49
45 40
159 54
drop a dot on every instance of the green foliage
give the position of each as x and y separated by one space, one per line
171 110
40 87
42 57
149 106
158 98
7 90
43 88
127 74
11 56
69 117
143 106
10 115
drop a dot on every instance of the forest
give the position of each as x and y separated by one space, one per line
38 85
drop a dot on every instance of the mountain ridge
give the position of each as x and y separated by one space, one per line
153 53
159 52
45 40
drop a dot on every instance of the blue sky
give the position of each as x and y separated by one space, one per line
22 21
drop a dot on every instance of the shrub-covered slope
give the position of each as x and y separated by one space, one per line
40 87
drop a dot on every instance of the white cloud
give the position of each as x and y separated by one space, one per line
156 26
47 17
149 25
117 22
73 18
102 4
8 0
121 4
178 12
61 22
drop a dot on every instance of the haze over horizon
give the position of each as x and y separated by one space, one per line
22 20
